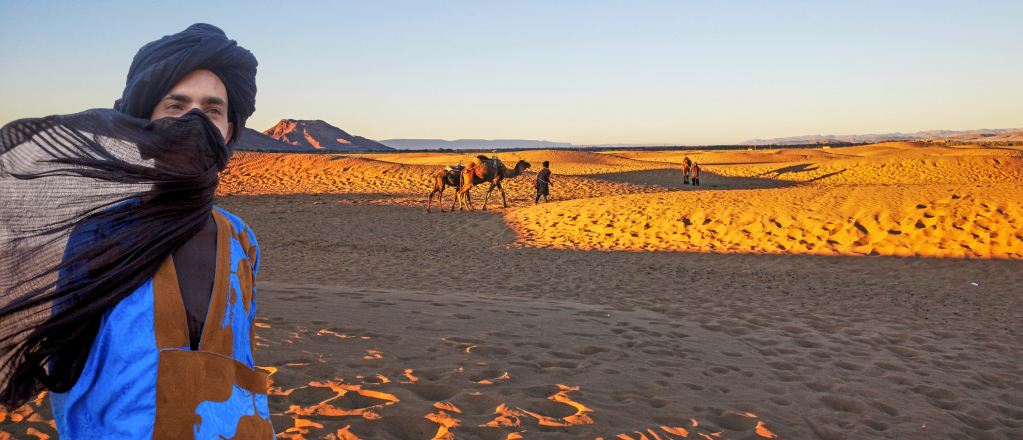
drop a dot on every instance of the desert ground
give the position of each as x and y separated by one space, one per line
845 293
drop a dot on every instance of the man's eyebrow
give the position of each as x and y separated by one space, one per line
213 100
177 97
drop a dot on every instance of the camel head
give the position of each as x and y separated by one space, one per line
519 168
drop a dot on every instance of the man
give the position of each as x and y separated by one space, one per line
542 182
686 165
124 346
696 174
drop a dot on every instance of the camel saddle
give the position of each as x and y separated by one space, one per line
454 168
494 163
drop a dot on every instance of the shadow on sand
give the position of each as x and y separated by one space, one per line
673 178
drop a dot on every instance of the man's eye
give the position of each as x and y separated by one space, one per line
215 111
174 107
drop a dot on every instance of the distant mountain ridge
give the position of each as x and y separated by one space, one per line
855 138
471 144
316 135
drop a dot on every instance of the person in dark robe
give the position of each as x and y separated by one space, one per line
126 293
542 183
696 174
686 165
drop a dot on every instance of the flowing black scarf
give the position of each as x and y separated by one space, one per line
92 203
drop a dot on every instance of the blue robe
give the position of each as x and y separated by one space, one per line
142 381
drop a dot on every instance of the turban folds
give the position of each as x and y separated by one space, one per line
92 203
161 64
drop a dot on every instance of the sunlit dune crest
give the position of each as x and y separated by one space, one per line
506 417
324 408
448 406
373 354
342 434
376 379
929 222
579 418
446 422
410 377
677 431
670 432
764 432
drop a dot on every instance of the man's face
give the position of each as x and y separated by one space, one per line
200 89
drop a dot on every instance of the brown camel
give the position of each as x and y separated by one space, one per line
491 171
441 180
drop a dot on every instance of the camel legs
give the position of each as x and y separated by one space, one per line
492 185
504 199
463 200
440 194
459 200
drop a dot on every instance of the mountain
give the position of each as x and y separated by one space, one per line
471 144
988 137
853 138
254 140
319 135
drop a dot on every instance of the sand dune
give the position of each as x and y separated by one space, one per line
266 173
568 162
843 293
936 221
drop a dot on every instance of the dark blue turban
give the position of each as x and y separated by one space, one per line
158 66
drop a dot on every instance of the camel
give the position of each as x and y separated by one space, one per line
441 180
489 170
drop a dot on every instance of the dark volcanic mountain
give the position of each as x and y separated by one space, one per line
319 135
254 140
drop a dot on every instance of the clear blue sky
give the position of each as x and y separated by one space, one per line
585 72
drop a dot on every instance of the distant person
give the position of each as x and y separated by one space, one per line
543 183
686 165
696 174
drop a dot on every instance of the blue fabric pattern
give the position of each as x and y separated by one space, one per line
115 396
220 419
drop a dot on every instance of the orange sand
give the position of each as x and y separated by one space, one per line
866 292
